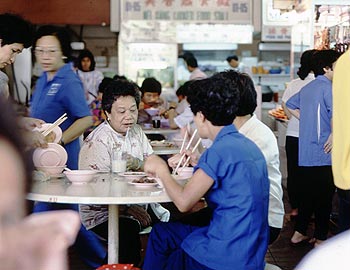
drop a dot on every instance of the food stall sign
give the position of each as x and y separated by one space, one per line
194 11
276 33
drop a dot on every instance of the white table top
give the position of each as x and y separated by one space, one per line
163 131
160 150
104 189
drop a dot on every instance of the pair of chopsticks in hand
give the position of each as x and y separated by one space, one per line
58 122
187 148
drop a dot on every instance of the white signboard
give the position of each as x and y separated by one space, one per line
201 11
276 33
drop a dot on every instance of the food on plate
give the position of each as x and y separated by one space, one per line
145 179
279 114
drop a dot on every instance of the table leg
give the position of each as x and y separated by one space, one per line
113 233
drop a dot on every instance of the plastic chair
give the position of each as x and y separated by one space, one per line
118 266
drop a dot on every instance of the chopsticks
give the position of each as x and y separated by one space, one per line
59 121
194 149
184 154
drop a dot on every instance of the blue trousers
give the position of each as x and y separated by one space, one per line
89 247
164 250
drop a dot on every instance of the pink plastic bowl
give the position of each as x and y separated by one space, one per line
51 170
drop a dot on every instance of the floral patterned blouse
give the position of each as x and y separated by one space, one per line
96 154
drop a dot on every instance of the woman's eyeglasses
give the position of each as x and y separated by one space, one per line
49 52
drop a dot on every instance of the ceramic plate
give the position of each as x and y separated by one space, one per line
57 131
53 155
143 185
161 144
133 175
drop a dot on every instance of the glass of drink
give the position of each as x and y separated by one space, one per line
118 161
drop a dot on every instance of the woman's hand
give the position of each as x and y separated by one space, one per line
155 165
133 163
174 160
140 214
29 123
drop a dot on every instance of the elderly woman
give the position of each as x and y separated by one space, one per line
120 102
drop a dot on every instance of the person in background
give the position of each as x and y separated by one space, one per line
90 77
192 66
235 64
151 90
184 118
37 241
341 138
313 106
98 115
120 102
237 235
294 178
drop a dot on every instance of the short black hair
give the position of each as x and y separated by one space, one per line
324 59
15 29
232 57
88 54
216 98
192 62
247 94
151 85
186 55
306 63
183 89
103 85
60 33
119 88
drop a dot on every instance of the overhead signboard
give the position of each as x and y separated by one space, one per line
194 11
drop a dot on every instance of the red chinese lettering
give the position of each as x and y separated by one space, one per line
224 3
168 3
186 3
204 3
150 3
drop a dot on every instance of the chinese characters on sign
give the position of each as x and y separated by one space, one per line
202 11
276 33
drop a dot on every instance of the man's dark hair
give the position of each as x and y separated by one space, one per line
88 54
183 89
232 57
14 29
60 33
191 62
119 88
216 98
151 85
324 59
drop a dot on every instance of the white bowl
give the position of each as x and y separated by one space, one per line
152 111
51 170
185 171
80 176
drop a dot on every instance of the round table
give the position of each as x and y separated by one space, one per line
110 189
